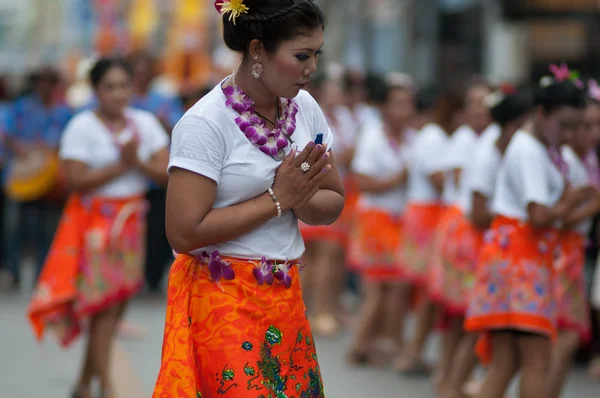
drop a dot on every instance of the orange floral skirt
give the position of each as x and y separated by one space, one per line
338 232
376 237
236 328
455 256
571 301
95 262
420 226
514 282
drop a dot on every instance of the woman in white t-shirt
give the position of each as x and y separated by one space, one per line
236 324
381 169
95 264
512 304
509 110
322 282
423 213
573 314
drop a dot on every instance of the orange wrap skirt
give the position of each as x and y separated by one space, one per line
571 301
236 329
95 262
455 256
338 232
514 283
373 251
420 226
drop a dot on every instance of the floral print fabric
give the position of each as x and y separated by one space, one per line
569 285
238 338
373 251
95 262
417 246
514 282
455 257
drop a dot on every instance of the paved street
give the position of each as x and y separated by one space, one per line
30 370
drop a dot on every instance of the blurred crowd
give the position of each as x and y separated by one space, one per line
376 171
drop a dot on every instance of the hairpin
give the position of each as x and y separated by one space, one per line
594 90
234 8
561 73
495 98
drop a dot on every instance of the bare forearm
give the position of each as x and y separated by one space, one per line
157 171
90 179
371 185
582 213
222 225
323 209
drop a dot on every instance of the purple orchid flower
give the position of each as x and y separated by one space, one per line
287 125
258 133
247 119
282 274
264 272
219 268
275 141
237 99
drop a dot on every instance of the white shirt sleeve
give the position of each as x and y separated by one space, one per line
155 137
531 168
320 124
435 159
365 159
483 174
198 146
74 143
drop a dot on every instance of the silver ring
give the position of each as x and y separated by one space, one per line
305 167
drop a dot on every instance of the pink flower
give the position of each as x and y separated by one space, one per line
247 119
561 73
257 134
217 267
275 141
237 99
264 272
594 90
282 273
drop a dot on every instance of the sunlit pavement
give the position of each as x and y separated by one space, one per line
31 370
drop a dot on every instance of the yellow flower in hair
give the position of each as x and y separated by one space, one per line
235 8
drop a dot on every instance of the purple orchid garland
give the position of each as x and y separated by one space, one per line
270 142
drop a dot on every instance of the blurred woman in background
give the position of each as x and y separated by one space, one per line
96 261
381 168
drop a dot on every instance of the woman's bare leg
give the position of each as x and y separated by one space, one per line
535 354
450 341
505 363
369 315
102 332
461 367
395 308
562 357
328 281
412 360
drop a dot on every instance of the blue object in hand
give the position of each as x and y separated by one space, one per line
319 139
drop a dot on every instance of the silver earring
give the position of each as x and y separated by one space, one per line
257 69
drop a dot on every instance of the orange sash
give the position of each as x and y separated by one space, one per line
514 282
571 300
96 237
233 337
376 238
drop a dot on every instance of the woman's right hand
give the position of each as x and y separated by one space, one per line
129 153
293 186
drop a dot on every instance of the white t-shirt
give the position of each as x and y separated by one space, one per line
459 150
208 142
578 177
427 153
527 175
344 131
480 174
377 158
88 140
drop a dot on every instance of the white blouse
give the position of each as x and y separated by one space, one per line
578 177
527 175
88 140
207 141
377 158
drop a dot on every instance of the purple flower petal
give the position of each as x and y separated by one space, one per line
204 257
257 134
227 271
258 274
214 268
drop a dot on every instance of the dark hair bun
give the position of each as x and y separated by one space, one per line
515 105
426 99
271 22
556 94
104 65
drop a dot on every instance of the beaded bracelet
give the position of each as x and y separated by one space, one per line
277 204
